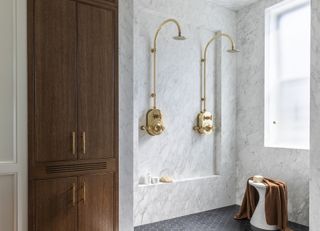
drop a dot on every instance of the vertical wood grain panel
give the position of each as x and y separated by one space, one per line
97 80
96 202
55 79
7 202
7 80
56 204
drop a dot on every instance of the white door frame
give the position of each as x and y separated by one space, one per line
15 166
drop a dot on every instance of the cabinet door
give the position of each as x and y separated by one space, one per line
56 204
97 81
55 79
96 202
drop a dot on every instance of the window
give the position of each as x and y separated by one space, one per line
287 75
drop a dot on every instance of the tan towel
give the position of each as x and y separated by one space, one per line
276 203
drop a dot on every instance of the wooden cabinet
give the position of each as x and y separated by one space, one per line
73 115
80 203
55 89
96 65
96 202
74 77
56 205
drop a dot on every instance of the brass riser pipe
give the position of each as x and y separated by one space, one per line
154 55
204 64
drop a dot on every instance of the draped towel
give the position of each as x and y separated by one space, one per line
276 203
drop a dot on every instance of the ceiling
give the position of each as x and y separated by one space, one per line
234 4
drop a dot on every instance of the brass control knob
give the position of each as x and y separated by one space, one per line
208 128
154 123
158 127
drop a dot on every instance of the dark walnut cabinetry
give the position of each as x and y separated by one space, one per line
73 115
74 203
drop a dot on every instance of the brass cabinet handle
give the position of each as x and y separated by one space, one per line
84 142
73 143
84 192
74 194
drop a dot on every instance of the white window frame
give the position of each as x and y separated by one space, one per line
271 15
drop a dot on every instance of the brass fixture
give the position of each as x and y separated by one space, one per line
154 125
205 119
84 192
74 143
205 123
84 142
154 119
73 194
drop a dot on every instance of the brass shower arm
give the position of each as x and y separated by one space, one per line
208 44
218 35
233 45
171 20
154 54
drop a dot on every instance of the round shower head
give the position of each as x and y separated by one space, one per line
179 37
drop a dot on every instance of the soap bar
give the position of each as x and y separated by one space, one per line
258 179
166 179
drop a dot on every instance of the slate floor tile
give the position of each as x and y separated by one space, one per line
214 220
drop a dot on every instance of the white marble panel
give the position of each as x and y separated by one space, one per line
290 165
315 115
180 152
165 201
126 115
7 202
234 4
7 79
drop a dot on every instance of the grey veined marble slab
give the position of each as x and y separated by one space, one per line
180 152
289 165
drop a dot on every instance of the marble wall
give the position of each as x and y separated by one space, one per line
315 115
290 165
126 115
203 166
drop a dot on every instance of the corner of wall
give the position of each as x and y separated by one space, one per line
315 114
126 115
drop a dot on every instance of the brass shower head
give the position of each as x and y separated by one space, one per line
179 37
233 47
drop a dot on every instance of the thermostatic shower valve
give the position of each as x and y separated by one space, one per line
154 123
205 123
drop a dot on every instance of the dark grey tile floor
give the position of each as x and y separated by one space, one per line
214 220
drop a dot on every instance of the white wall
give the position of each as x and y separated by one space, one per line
315 115
292 166
13 115
205 172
